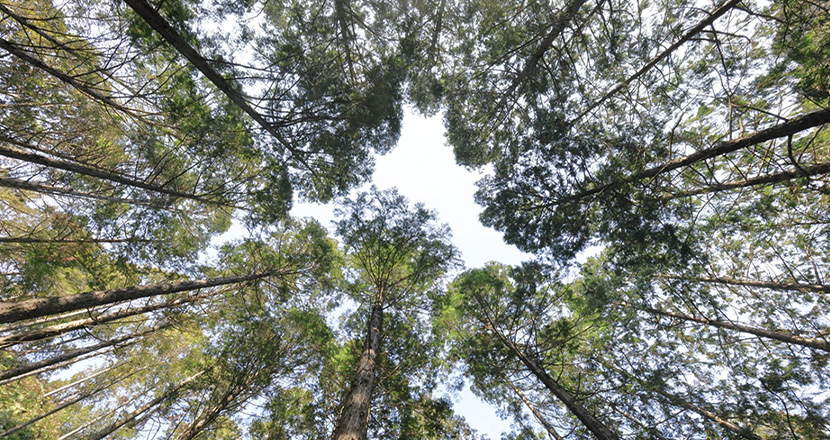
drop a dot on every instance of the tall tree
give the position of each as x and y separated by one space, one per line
504 331
398 255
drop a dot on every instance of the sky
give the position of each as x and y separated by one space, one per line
423 169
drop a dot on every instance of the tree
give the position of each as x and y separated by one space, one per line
600 135
725 373
558 348
687 141
505 332
236 341
398 256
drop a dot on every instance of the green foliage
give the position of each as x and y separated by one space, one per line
804 39
396 252
21 401
122 162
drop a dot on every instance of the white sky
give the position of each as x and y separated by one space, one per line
423 169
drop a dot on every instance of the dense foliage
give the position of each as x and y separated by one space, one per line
682 143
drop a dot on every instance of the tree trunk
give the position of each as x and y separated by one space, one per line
597 428
788 128
32 240
13 374
769 179
82 380
97 419
66 327
37 307
723 423
761 332
143 408
160 25
354 416
798 287
85 170
538 414
717 13
72 81
56 191
213 412
26 22
558 25
676 401
64 405
340 7
44 320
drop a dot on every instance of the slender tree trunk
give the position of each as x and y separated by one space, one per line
82 380
56 191
26 22
72 81
13 374
757 331
32 240
213 412
160 25
44 320
768 179
66 327
597 428
58 365
143 408
354 416
536 413
103 416
560 21
788 128
340 7
676 401
54 410
798 287
723 423
717 13
37 307
64 405
99 173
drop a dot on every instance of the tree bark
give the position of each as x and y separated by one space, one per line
723 423
597 428
57 191
82 380
340 7
788 128
706 414
32 240
143 408
78 85
37 307
757 331
59 329
64 405
536 413
98 173
13 374
354 416
769 179
160 25
798 287
213 412
44 320
558 25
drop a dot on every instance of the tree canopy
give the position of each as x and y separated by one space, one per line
665 164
